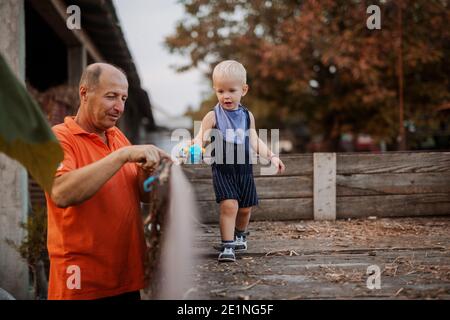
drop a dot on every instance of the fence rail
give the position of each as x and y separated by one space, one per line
389 184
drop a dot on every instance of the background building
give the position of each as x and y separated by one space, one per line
50 58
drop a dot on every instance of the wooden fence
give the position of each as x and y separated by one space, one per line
342 185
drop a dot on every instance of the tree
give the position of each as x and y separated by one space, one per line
33 249
316 61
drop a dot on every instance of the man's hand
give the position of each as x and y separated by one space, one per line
146 156
278 164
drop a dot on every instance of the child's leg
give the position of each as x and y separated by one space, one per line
243 218
228 211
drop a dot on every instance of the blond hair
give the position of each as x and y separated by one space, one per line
230 69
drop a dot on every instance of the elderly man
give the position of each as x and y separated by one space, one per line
95 232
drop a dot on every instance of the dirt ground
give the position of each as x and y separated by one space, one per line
329 260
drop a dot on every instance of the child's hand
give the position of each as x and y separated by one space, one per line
278 164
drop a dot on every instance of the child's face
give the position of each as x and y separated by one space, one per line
229 92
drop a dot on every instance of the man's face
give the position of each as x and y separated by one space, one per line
229 92
106 102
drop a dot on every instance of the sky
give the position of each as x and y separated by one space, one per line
145 24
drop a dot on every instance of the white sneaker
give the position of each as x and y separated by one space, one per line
227 255
240 243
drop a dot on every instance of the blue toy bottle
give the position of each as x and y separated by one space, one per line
194 154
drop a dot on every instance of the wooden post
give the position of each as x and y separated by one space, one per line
13 177
402 135
324 186
77 62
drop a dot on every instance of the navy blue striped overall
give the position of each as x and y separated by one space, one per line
235 180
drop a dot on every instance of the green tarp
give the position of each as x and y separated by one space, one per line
24 132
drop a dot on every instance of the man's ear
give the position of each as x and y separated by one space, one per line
245 88
83 93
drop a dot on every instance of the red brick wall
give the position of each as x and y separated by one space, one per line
56 103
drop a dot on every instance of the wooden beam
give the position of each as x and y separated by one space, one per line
77 62
268 187
84 39
296 165
392 183
268 209
46 10
410 205
393 162
55 14
324 186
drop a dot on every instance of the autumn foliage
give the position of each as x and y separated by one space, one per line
316 64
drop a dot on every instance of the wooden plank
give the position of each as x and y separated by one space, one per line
353 163
394 205
268 209
393 183
393 162
324 186
296 165
267 187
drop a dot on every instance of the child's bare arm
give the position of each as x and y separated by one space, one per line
261 148
208 123
257 144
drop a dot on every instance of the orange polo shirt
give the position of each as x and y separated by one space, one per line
96 248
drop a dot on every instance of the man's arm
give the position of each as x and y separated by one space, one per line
79 185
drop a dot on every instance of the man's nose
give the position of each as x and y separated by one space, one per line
119 106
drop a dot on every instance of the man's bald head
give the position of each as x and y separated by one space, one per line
103 92
91 75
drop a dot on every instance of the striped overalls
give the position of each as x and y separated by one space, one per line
234 180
